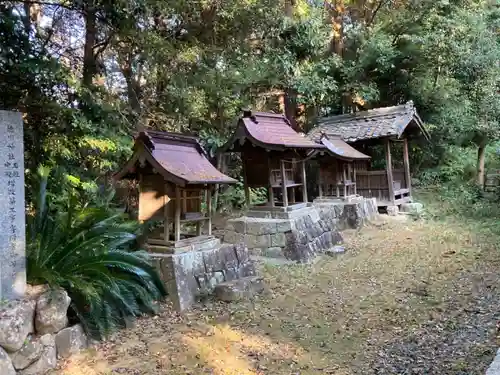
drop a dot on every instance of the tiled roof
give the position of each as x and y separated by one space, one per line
372 124
269 130
338 147
178 155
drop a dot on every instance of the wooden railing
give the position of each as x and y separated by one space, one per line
373 184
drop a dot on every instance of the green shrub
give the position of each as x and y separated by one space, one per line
88 251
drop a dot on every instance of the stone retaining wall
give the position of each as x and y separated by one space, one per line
301 233
351 214
191 274
296 235
34 332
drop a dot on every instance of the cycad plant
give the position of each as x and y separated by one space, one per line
88 252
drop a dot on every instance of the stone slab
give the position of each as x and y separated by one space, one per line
240 289
12 220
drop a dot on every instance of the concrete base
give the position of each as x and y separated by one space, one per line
191 274
296 235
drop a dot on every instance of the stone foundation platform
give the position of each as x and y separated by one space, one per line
297 234
195 269
351 213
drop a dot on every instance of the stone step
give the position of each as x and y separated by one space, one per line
236 290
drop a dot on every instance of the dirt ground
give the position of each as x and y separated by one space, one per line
419 297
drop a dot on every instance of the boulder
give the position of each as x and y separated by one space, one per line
47 360
412 208
51 311
29 353
16 323
392 210
246 287
334 251
70 340
6 367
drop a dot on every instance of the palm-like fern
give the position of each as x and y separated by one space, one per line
87 251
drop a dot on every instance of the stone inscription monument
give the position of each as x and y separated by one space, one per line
12 210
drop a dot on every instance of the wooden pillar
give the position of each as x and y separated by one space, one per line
406 163
209 210
166 229
245 183
354 179
177 213
283 184
184 201
304 182
200 198
388 168
344 175
320 180
270 190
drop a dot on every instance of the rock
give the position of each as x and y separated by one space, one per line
336 250
6 367
29 353
273 252
412 208
47 360
392 210
51 311
494 368
246 287
70 340
16 323
278 240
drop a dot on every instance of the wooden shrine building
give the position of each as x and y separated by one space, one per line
389 128
175 178
337 167
273 156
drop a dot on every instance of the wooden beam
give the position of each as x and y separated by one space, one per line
283 184
245 183
388 168
304 182
209 210
406 163
166 229
177 213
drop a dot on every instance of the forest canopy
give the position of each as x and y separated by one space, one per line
87 74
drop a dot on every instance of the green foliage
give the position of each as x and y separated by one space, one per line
234 196
88 251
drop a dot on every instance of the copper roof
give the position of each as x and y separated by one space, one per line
337 147
179 158
269 130
372 124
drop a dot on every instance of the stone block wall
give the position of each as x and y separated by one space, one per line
295 235
301 233
189 275
34 332
351 214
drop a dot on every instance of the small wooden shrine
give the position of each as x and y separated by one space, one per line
390 127
337 167
175 180
273 156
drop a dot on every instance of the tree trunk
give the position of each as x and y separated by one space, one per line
481 153
290 95
89 58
